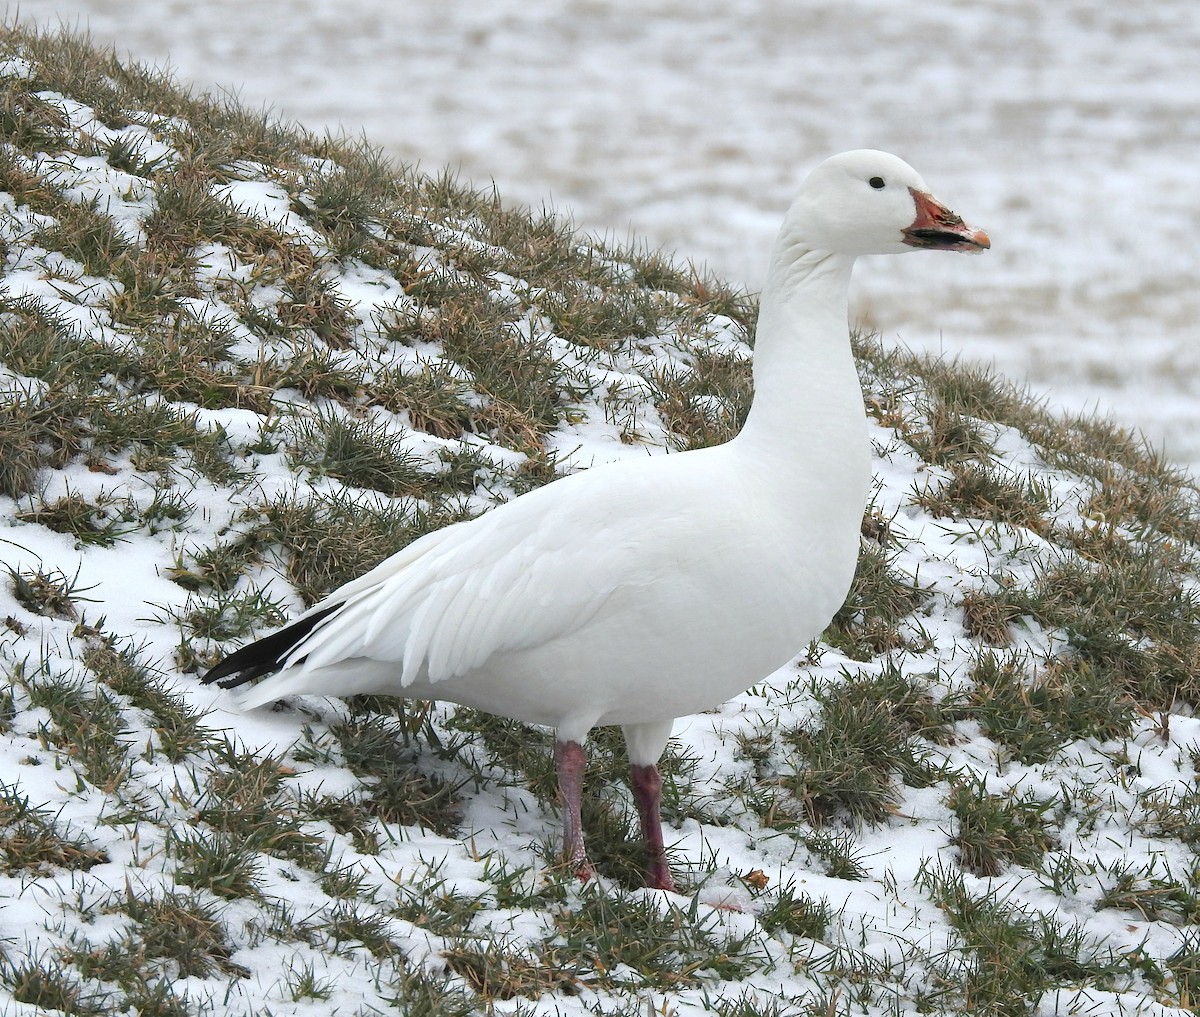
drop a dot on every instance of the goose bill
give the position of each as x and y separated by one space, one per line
936 228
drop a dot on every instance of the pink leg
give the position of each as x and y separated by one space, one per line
647 793
570 760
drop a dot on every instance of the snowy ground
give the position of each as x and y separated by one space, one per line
1100 871
1068 130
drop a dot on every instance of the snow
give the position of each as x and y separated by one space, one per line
1066 130
725 189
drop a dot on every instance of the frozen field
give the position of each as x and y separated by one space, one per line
1070 131
977 795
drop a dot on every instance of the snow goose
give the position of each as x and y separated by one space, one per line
637 592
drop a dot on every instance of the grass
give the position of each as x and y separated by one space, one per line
797 913
881 598
103 521
179 728
328 539
34 842
217 863
85 722
185 929
265 409
868 742
993 831
399 793
49 985
616 936
52 594
359 452
41 429
975 490
1036 714
1014 955
609 818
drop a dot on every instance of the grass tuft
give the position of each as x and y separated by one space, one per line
398 791
1014 955
31 840
46 984
360 452
102 522
797 913
1035 715
669 948
330 539
220 863
880 598
185 929
179 728
39 430
869 736
86 724
51 594
992 831
246 801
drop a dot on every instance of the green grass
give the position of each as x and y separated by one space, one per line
85 722
1013 955
797 913
359 452
52 594
328 539
50 986
992 831
34 842
40 428
869 741
978 491
1034 713
1010 694
668 949
882 598
179 728
400 793
184 928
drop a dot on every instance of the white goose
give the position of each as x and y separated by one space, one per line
638 592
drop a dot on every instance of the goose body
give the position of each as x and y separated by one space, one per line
638 592
651 572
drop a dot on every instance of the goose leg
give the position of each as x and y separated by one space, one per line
647 794
645 743
570 760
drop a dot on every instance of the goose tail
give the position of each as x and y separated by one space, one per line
263 655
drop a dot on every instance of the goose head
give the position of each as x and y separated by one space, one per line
868 202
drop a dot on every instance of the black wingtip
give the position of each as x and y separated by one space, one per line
263 655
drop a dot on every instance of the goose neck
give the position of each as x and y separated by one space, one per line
805 382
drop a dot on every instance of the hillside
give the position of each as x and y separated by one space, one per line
241 364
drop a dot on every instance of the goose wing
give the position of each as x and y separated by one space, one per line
530 571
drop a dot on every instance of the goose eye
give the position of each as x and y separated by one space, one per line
877 182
